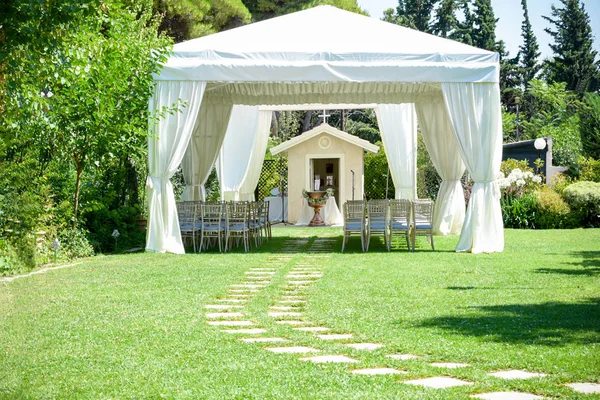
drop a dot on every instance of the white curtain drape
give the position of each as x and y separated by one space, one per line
441 145
474 111
203 150
167 142
236 151
263 127
398 125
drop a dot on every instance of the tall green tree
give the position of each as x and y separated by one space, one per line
414 14
464 29
265 9
574 59
445 23
484 31
529 51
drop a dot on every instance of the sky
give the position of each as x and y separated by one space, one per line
510 17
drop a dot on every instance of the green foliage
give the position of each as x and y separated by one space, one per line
519 212
265 9
445 22
376 173
507 166
589 169
584 198
101 223
509 125
529 51
484 32
589 126
574 60
74 244
560 182
552 212
415 14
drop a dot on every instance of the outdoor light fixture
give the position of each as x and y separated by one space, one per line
116 234
539 144
55 245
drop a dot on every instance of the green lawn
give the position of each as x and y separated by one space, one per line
134 326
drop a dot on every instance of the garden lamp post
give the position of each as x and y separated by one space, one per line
517 103
55 245
116 234
539 144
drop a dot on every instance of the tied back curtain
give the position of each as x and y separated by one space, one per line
398 125
257 157
203 150
474 111
441 145
167 143
236 151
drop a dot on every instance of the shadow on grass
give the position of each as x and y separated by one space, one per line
545 324
588 266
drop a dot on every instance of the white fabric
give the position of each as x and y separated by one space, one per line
276 208
325 44
236 151
436 131
203 150
167 142
330 213
398 126
474 111
263 128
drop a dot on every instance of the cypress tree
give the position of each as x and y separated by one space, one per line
445 22
574 58
415 14
464 30
484 33
529 50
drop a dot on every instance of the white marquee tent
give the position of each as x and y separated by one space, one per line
328 56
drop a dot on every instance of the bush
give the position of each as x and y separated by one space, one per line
560 182
74 244
519 212
589 169
507 166
102 222
552 212
584 199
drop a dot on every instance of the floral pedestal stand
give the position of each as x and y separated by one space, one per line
316 200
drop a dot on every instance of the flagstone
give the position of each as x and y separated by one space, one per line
312 329
299 283
293 349
241 296
224 315
248 285
588 388
222 306
403 356
377 371
335 336
264 340
283 308
277 314
244 290
506 396
448 365
438 382
231 323
260 272
246 331
291 322
516 374
263 270
364 346
292 301
234 300
328 359
307 276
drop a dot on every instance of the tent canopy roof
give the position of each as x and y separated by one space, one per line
325 128
326 44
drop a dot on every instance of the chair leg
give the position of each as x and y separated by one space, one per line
344 242
432 245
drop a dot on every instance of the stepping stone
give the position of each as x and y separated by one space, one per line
244 290
283 308
516 374
251 331
438 382
312 329
240 296
233 300
329 359
222 306
295 349
230 323
277 314
588 388
335 336
449 365
292 301
263 270
264 340
403 356
377 371
260 272
224 315
293 298
304 276
248 286
291 322
258 280
365 346
299 283
506 396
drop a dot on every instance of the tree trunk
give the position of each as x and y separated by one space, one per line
306 122
79 166
275 123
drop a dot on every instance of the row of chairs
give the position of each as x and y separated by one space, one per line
386 218
223 223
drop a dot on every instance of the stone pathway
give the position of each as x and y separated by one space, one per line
292 272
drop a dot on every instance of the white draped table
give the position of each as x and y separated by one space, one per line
330 213
276 208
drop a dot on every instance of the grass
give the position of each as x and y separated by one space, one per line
133 326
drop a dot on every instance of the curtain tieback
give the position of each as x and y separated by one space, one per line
152 181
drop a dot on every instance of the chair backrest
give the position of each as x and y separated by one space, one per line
423 211
378 209
237 212
186 212
211 213
265 213
400 210
354 211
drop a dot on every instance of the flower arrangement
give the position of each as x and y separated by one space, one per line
321 200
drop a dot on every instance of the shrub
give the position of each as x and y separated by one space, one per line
101 223
589 169
552 210
507 166
519 212
560 182
74 244
584 199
